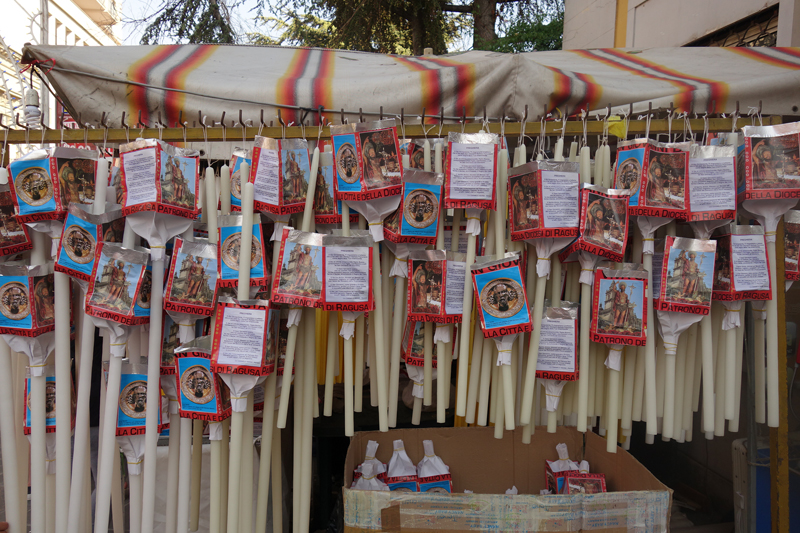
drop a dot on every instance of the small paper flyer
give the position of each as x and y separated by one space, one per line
192 278
772 162
712 183
604 224
500 290
413 350
416 220
741 268
471 171
280 172
119 289
367 160
79 237
619 305
791 244
686 276
240 155
327 209
558 344
159 177
14 236
300 275
228 245
27 305
132 404
348 273
434 293
46 182
543 200
240 338
203 394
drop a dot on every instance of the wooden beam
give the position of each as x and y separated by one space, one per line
779 436
175 135
621 24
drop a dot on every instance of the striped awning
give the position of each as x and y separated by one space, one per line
169 80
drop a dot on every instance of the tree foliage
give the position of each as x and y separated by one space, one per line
190 21
542 32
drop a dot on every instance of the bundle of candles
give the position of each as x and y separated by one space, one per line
538 268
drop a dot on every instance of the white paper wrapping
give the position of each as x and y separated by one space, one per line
730 319
671 324
133 448
583 467
375 211
119 335
431 464
50 446
158 229
400 464
504 345
564 463
544 249
588 263
369 479
348 324
399 268
442 333
474 221
704 228
512 491
280 222
768 213
215 431
614 358
240 385
552 392
369 458
186 331
295 314
37 349
417 376
544 492
648 227
51 228
400 250
170 387
760 310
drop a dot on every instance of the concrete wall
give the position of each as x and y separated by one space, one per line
652 23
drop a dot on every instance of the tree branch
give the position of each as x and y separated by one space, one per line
452 8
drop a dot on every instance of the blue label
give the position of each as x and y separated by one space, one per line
346 157
33 186
197 385
236 178
49 403
513 281
227 270
15 302
435 486
407 486
419 210
78 245
132 404
629 173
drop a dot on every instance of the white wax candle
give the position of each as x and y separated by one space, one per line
426 154
558 152
437 159
225 187
210 208
246 241
573 151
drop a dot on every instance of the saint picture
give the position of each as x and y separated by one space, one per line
420 208
628 174
346 163
606 220
426 287
418 342
112 231
197 384
178 180
11 231
502 298
687 273
620 307
194 279
44 300
791 245
33 186
115 284
584 486
775 162
230 251
323 194
666 180
379 158
301 272
722 266
295 175
49 402
143 298
236 177
392 222
76 180
14 302
525 202
133 399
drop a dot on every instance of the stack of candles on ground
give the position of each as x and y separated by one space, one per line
557 258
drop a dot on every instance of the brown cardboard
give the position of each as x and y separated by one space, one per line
488 466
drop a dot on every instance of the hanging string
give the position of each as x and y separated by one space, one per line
705 129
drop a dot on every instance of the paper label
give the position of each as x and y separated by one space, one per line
772 168
687 276
502 303
749 257
712 186
413 349
116 290
367 164
471 174
140 176
202 394
560 199
454 289
240 340
557 350
266 183
49 405
132 405
347 272
543 204
791 247
14 238
619 310
228 247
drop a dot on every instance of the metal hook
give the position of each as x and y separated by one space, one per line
381 113
441 120
343 121
360 115
280 119
422 121
18 124
484 114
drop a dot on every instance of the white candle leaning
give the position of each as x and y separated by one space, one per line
719 391
63 374
265 458
733 425
225 187
380 356
387 260
533 349
215 486
708 374
331 352
184 476
651 417
475 373
558 151
397 340
246 479
225 446
8 441
426 157
759 315
197 470
173 460
573 151
463 357
243 289
730 370
773 361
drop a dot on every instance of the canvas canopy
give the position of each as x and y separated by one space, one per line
214 79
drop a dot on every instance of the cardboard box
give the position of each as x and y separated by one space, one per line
637 501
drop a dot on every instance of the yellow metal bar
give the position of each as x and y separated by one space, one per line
121 135
779 436
621 24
